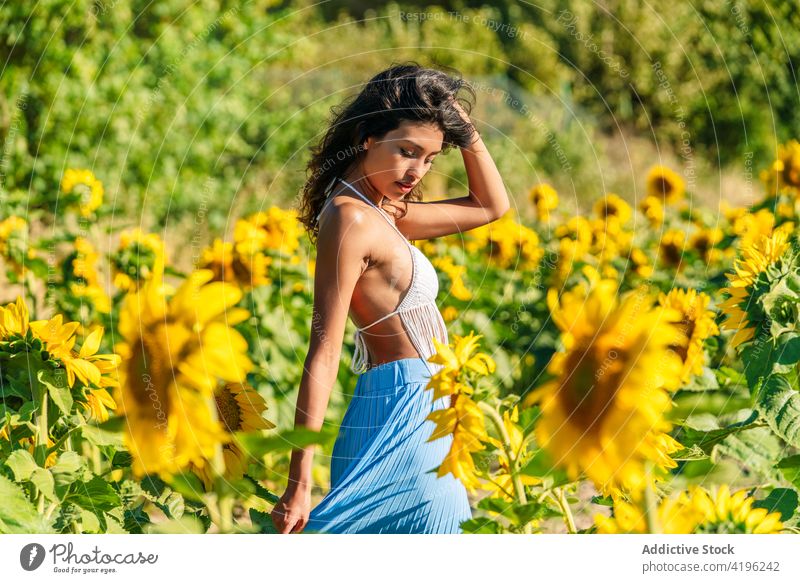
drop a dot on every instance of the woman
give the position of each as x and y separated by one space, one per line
361 206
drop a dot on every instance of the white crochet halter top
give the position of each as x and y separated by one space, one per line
417 309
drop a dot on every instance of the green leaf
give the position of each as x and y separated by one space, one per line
756 448
135 519
43 480
518 514
790 468
101 437
17 514
757 358
189 485
693 453
113 424
706 381
603 500
95 495
783 500
262 492
481 525
264 522
540 465
257 445
173 506
779 403
67 468
21 462
728 376
186 524
58 389
788 352
690 437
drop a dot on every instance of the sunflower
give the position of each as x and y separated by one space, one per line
455 272
613 208
450 313
457 359
722 512
82 277
672 247
670 518
603 414
574 241
242 263
239 408
750 226
703 242
696 511
98 404
459 366
507 242
544 198
653 210
13 244
464 421
697 324
275 229
665 184
609 239
174 353
754 261
138 256
640 263
14 319
85 365
83 189
575 236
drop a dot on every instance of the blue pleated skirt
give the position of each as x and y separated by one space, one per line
383 469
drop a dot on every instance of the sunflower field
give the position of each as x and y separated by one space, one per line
627 369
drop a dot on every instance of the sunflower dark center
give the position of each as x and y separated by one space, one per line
149 374
664 186
228 409
589 389
687 327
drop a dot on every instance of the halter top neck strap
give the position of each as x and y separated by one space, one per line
379 209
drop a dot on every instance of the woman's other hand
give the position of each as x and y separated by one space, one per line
290 514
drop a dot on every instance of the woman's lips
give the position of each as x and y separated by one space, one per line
404 186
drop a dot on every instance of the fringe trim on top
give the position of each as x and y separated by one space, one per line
422 323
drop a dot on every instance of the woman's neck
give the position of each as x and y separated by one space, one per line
360 182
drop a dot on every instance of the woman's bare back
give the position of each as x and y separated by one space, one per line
383 283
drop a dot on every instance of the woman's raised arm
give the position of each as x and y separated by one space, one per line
487 200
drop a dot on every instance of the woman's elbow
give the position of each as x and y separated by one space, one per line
499 210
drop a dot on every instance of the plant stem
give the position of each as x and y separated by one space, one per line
506 441
651 505
96 459
226 514
213 509
49 512
569 520
42 428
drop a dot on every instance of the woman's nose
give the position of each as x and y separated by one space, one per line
417 171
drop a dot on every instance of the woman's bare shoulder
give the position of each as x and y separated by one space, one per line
346 217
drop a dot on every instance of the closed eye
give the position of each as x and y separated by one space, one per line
410 154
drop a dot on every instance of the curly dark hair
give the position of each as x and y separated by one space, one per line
402 92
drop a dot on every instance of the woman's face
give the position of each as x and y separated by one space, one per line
395 163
